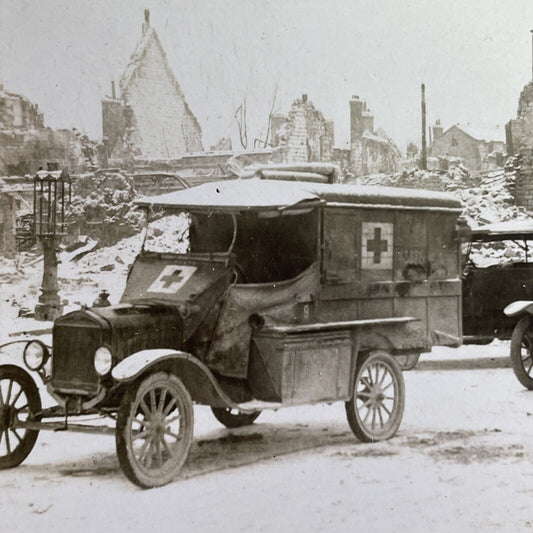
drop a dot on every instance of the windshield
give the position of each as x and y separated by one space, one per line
189 233
267 246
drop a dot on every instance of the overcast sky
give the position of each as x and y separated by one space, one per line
474 57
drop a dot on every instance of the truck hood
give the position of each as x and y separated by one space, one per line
173 279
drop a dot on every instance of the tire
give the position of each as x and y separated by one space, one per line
19 399
522 351
407 361
375 411
155 425
232 418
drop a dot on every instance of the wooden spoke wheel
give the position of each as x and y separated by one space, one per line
376 409
19 401
154 430
522 351
231 418
407 361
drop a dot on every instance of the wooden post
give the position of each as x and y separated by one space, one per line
424 159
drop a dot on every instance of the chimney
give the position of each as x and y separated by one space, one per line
437 130
304 98
146 23
113 93
356 119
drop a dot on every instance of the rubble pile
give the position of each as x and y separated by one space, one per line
102 207
487 198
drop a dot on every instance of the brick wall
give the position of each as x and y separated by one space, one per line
303 135
161 125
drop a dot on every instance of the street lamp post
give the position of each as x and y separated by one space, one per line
49 202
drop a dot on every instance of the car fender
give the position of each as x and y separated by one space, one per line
519 307
199 380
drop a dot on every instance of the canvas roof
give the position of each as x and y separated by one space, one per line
261 194
500 231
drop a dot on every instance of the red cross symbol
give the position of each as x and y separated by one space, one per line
377 245
169 280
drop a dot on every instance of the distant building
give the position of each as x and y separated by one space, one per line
151 118
26 145
371 151
479 148
302 135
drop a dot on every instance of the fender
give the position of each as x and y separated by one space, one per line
197 378
519 307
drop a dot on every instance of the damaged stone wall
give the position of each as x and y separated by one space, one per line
519 140
26 145
302 135
371 152
18 113
25 152
151 118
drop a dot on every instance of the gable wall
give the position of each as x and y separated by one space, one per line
164 125
466 148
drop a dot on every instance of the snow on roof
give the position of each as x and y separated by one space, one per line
512 229
483 134
257 194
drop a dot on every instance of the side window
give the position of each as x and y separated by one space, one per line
340 247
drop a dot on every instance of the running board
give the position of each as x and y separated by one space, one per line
258 405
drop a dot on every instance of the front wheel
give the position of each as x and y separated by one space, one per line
231 418
522 351
376 408
154 430
19 401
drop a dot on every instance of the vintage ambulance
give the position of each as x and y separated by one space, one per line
249 294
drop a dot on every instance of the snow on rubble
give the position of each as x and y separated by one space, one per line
486 198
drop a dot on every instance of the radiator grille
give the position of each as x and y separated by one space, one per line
73 353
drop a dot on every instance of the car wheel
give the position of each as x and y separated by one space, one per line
375 411
19 400
407 361
522 351
231 418
154 429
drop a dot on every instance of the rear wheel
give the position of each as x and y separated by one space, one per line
19 401
376 409
407 361
154 430
522 351
231 418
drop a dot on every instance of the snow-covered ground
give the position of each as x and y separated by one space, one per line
460 462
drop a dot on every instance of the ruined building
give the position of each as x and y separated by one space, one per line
519 139
479 148
519 131
26 145
151 118
371 151
302 135
305 135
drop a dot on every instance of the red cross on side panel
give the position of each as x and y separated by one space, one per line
377 245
